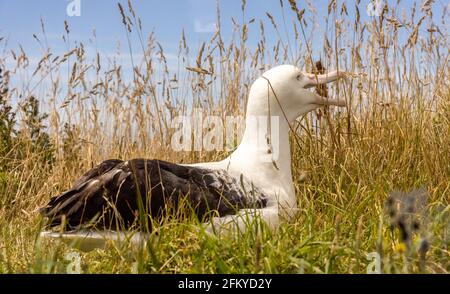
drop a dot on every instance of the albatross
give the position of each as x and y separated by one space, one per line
254 181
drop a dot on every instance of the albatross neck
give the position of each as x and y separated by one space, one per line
254 147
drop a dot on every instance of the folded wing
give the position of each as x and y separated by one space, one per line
121 194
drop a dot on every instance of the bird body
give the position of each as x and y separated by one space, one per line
255 181
113 194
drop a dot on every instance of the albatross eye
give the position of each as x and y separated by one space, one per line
299 77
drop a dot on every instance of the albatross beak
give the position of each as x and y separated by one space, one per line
315 80
320 100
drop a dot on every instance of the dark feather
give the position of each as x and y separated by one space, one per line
116 194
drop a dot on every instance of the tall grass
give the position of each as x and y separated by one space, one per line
395 134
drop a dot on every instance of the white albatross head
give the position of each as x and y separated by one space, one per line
286 88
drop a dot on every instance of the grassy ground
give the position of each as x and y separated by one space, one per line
394 135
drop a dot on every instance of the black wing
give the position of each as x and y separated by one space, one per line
116 194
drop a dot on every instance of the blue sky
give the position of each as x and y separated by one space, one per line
20 19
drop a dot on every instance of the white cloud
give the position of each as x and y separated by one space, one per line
200 27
